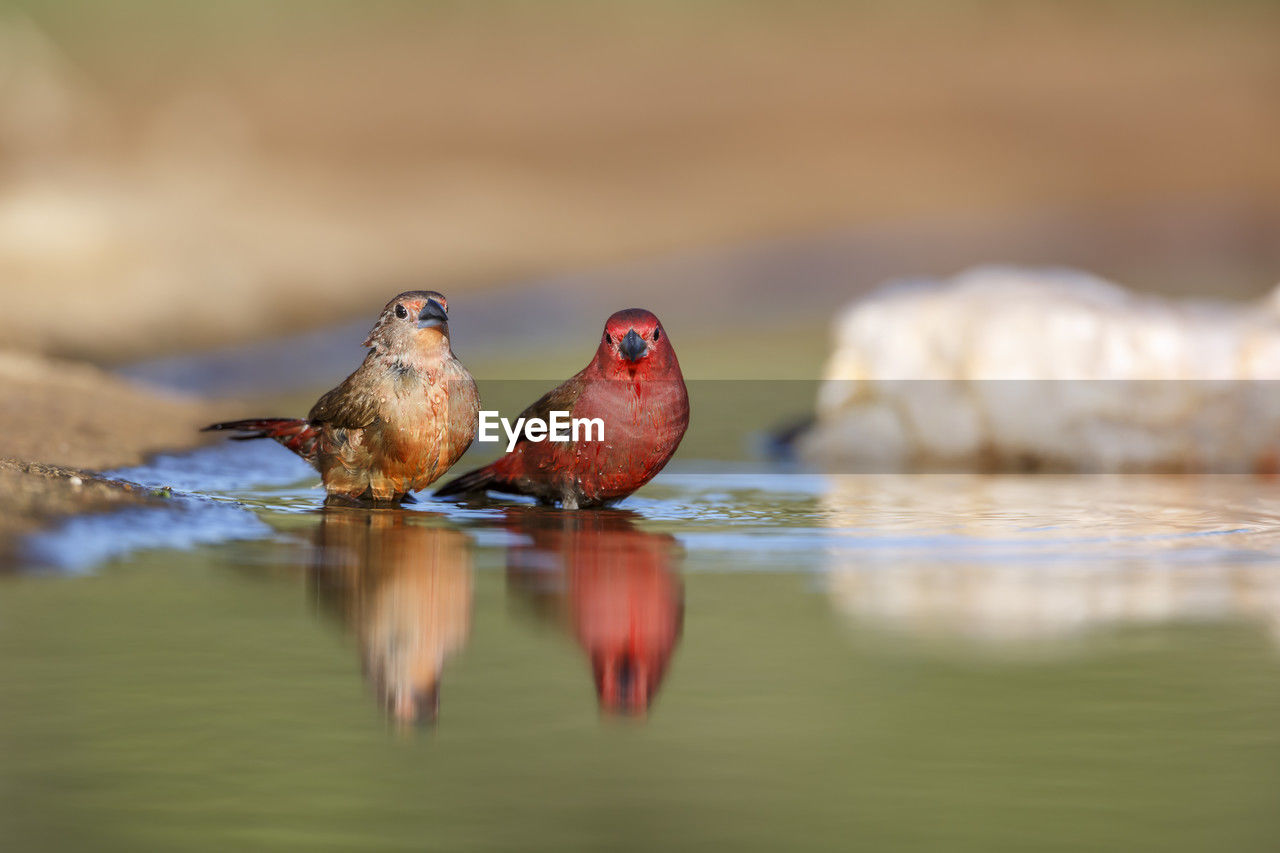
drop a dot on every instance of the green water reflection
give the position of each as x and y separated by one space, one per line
247 695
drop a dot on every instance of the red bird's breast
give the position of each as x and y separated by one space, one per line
643 425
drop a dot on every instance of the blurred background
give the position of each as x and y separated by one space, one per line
183 176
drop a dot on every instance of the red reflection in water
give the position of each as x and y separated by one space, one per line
616 588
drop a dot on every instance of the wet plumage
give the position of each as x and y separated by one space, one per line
396 424
634 385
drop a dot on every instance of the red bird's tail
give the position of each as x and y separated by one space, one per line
473 481
297 434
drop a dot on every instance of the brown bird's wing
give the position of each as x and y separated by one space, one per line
352 405
562 398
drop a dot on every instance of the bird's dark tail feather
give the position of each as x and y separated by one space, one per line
297 434
470 482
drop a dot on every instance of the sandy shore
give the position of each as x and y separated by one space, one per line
32 495
59 421
66 413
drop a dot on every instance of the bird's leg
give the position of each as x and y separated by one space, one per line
335 499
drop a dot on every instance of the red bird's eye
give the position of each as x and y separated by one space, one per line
607 338
400 312
657 335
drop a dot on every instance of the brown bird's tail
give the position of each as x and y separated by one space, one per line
473 481
297 434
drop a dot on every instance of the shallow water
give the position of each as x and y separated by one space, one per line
741 655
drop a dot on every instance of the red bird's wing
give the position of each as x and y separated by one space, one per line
562 398
507 473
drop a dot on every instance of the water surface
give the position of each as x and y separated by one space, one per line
740 655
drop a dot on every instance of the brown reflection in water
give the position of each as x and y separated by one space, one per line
405 589
615 587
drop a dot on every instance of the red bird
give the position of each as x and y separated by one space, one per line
635 387
396 424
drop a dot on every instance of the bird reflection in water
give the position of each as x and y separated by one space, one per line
615 587
404 588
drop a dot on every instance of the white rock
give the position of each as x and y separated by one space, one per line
1010 368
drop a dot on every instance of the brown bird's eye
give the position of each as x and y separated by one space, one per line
400 312
657 335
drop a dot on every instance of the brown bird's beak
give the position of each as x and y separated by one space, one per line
632 347
432 315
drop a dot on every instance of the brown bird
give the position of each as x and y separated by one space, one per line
396 424
634 387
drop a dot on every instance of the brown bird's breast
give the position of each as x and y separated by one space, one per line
426 429
426 420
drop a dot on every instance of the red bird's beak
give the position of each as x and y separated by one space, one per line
632 347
